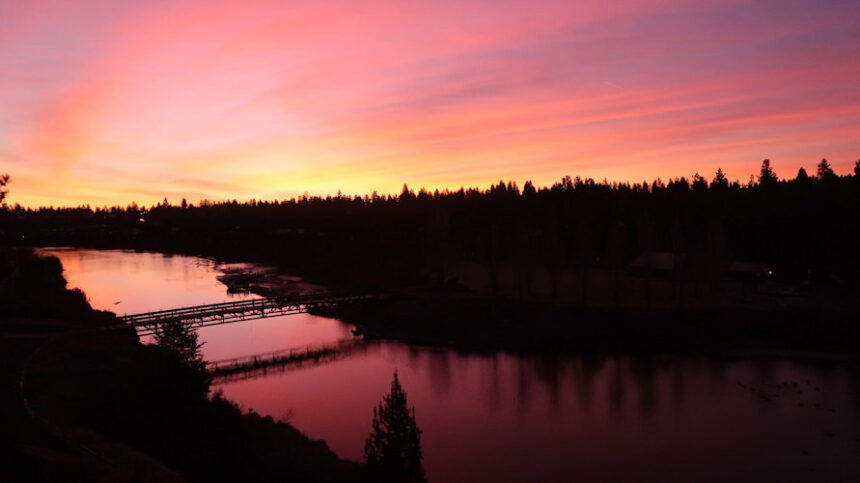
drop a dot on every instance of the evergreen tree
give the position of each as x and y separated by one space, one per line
824 170
406 194
720 181
767 176
699 184
857 168
529 187
393 449
4 180
181 338
802 176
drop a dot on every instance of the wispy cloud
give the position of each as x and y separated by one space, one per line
121 100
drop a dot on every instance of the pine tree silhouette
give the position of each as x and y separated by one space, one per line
393 449
720 181
825 172
767 176
4 180
182 339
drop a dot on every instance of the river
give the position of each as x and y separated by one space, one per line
513 417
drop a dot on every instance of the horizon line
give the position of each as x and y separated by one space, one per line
648 185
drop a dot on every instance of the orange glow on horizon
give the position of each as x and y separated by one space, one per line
114 102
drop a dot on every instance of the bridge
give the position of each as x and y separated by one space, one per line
229 312
257 365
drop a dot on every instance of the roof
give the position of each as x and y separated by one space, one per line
749 267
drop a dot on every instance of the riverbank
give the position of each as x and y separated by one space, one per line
451 316
468 322
100 406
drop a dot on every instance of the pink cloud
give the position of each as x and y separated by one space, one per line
258 99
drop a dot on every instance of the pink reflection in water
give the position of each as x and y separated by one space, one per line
503 417
269 335
527 418
127 282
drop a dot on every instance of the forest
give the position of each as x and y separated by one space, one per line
803 228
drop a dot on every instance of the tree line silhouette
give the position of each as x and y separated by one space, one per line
804 227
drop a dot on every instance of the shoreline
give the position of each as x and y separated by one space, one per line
600 331
148 414
404 321
404 315
466 321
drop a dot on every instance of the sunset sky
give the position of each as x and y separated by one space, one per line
114 101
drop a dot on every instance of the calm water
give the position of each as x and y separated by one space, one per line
504 417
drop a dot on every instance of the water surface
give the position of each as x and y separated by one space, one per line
507 417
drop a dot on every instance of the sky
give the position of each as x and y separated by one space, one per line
108 102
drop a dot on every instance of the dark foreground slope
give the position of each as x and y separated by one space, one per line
99 406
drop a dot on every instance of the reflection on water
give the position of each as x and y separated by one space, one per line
128 282
505 417
541 418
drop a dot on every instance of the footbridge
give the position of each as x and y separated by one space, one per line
262 364
229 312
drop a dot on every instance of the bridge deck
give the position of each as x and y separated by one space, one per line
227 312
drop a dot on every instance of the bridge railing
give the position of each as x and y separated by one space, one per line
251 366
250 305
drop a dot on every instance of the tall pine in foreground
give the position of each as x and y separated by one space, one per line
393 449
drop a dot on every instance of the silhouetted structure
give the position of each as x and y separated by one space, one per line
148 323
393 449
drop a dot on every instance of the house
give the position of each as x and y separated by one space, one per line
749 271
